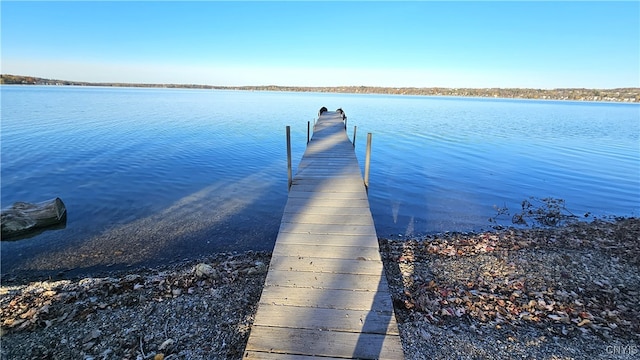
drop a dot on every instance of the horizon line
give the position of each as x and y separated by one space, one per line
302 87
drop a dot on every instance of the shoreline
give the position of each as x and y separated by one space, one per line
613 95
564 293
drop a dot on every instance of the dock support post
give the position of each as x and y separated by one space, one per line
308 131
345 123
354 136
367 161
289 157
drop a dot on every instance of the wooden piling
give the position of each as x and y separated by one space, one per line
354 136
367 161
289 171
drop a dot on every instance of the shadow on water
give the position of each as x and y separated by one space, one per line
213 219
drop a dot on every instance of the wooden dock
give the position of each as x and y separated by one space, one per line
326 292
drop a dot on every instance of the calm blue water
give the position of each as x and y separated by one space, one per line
156 175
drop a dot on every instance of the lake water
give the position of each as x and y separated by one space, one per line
156 175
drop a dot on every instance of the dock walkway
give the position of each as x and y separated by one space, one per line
326 292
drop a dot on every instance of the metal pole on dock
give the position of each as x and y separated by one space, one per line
345 122
354 136
308 130
367 161
289 156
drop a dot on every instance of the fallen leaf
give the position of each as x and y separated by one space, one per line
584 322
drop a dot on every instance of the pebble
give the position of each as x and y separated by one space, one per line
94 334
205 270
166 344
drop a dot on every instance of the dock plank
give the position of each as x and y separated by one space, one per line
330 195
327 229
324 343
327 319
326 298
357 253
318 280
326 239
321 264
336 203
303 217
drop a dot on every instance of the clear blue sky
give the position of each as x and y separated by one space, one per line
422 44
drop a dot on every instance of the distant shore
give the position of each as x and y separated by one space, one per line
627 95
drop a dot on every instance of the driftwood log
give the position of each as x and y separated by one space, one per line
23 218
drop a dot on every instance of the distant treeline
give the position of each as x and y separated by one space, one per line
618 95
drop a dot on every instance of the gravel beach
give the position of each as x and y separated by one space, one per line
568 292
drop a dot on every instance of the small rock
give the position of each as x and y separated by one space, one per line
205 270
167 344
106 353
132 277
94 334
261 266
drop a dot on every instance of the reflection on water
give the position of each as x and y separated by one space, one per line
163 174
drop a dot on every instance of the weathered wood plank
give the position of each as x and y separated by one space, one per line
336 281
330 182
360 253
257 355
323 172
296 204
345 203
321 264
327 319
327 298
320 188
329 145
324 343
327 182
326 239
329 195
345 219
326 210
327 229
328 159
326 166
319 151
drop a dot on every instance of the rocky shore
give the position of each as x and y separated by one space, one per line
551 293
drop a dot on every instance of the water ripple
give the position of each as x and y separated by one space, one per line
128 162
